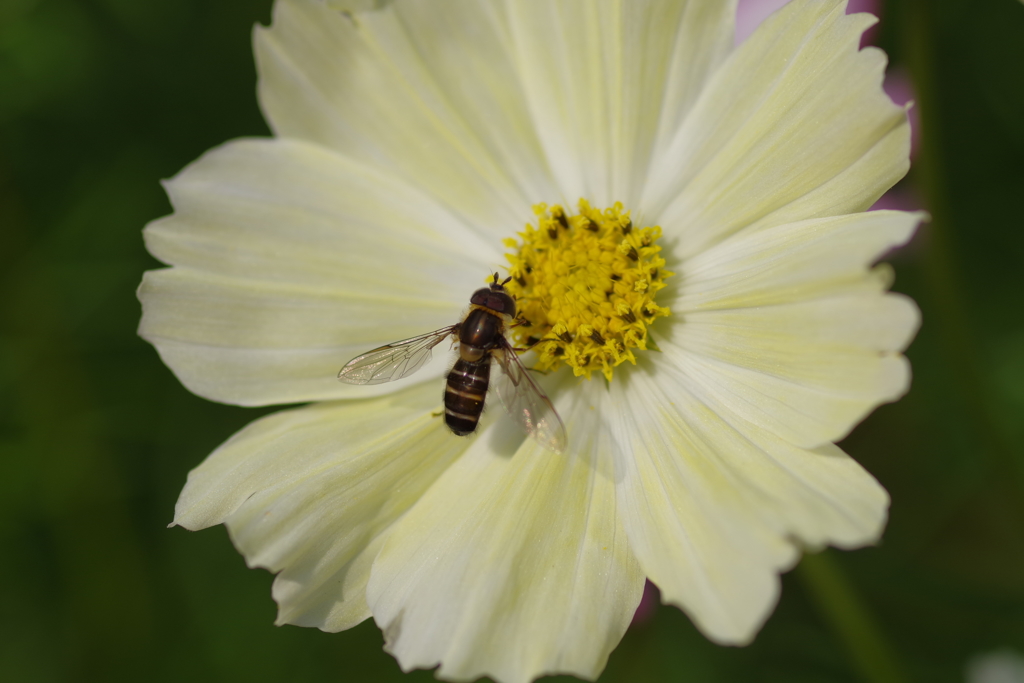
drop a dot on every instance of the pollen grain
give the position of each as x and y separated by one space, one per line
585 286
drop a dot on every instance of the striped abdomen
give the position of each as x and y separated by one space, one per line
464 394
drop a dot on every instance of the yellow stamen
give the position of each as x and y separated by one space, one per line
585 287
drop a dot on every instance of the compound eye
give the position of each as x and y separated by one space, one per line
508 305
499 302
480 297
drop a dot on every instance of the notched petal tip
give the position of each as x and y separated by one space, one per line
530 542
311 493
912 317
716 507
795 125
737 630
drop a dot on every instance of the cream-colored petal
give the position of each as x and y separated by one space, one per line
806 371
515 563
795 125
791 262
311 493
787 328
609 82
714 512
302 214
289 261
356 5
422 89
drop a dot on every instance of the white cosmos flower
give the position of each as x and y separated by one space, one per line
409 142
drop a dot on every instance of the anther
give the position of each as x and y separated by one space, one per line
566 272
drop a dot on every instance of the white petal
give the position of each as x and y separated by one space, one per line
714 512
787 328
807 372
311 493
792 262
794 125
356 5
609 82
515 563
750 14
290 260
422 89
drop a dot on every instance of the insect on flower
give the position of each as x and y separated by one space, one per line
684 223
481 338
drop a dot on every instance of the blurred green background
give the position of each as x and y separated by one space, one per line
99 99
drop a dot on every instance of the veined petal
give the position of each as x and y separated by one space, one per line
413 138
422 89
311 493
715 512
513 564
609 82
795 125
806 371
787 328
272 290
305 215
356 5
793 262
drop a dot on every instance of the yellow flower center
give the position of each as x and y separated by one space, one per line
585 287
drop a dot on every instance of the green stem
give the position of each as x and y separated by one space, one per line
948 310
849 618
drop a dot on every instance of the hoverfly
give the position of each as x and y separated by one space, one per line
481 338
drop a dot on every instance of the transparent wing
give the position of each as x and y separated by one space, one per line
393 361
526 403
